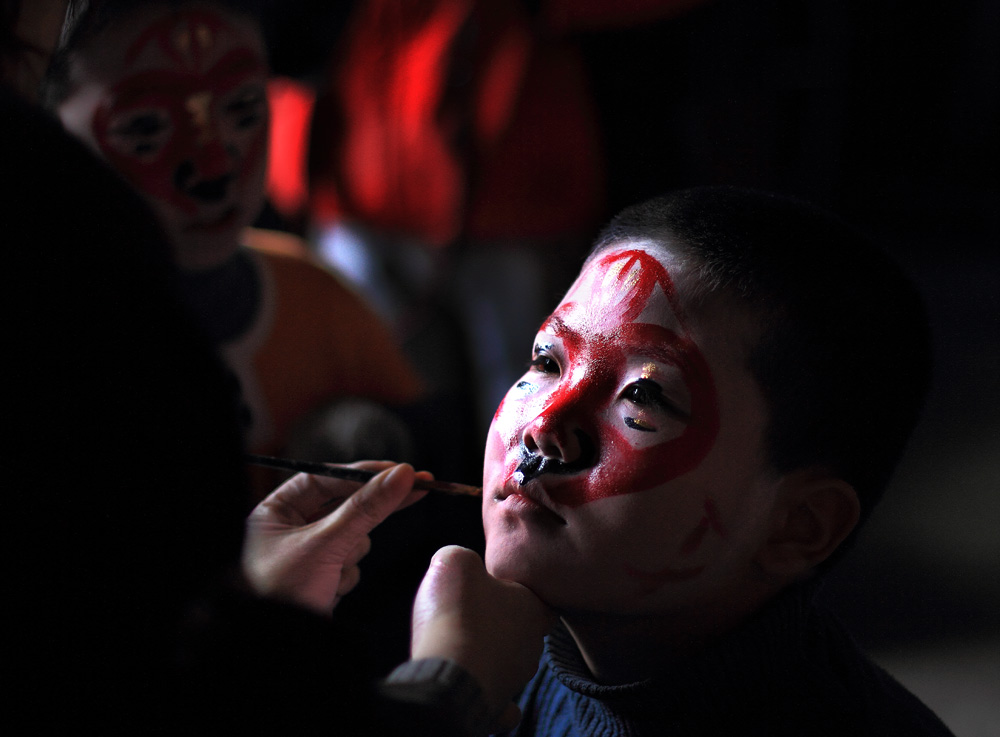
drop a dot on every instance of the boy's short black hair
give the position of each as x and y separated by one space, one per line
843 355
88 19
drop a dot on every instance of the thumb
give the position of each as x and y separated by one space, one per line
452 571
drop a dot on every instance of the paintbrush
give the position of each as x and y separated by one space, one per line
356 474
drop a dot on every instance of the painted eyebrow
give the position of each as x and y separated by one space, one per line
231 68
671 353
149 85
558 327
238 63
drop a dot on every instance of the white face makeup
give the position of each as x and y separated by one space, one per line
175 100
624 472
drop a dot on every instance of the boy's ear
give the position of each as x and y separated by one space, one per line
813 514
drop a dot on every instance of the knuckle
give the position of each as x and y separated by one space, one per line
364 506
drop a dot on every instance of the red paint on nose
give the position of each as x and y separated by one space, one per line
568 412
211 160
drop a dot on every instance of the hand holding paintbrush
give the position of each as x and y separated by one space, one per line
356 474
304 541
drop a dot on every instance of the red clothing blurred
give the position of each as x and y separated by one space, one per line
453 118
456 118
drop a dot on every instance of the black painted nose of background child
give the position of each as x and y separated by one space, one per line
204 190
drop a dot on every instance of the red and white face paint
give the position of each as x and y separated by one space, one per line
175 100
620 469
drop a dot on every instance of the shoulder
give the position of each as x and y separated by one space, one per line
297 271
861 695
793 669
546 704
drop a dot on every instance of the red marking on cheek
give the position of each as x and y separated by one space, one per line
495 455
154 177
502 439
710 521
653 580
695 539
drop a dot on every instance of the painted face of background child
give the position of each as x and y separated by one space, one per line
625 471
175 101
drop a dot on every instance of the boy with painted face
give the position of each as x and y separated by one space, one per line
172 95
174 98
709 412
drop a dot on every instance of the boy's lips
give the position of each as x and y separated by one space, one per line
529 498
217 223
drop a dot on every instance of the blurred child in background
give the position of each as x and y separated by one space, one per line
172 95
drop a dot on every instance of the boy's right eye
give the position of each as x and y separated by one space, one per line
149 124
543 363
142 133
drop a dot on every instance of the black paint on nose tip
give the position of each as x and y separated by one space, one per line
533 465
203 190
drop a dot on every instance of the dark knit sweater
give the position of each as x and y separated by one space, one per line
789 670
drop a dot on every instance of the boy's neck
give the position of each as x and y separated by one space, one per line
625 648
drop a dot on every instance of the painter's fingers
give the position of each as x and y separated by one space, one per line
349 578
303 497
366 508
312 563
359 551
335 489
339 493
416 496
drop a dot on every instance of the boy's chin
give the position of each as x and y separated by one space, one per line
548 585
506 564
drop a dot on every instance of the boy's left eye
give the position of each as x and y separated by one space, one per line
147 124
141 133
647 393
247 107
644 393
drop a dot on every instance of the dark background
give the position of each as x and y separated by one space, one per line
887 112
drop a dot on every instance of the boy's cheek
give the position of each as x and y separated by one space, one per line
493 460
504 555
510 419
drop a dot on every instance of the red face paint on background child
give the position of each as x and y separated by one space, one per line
175 101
